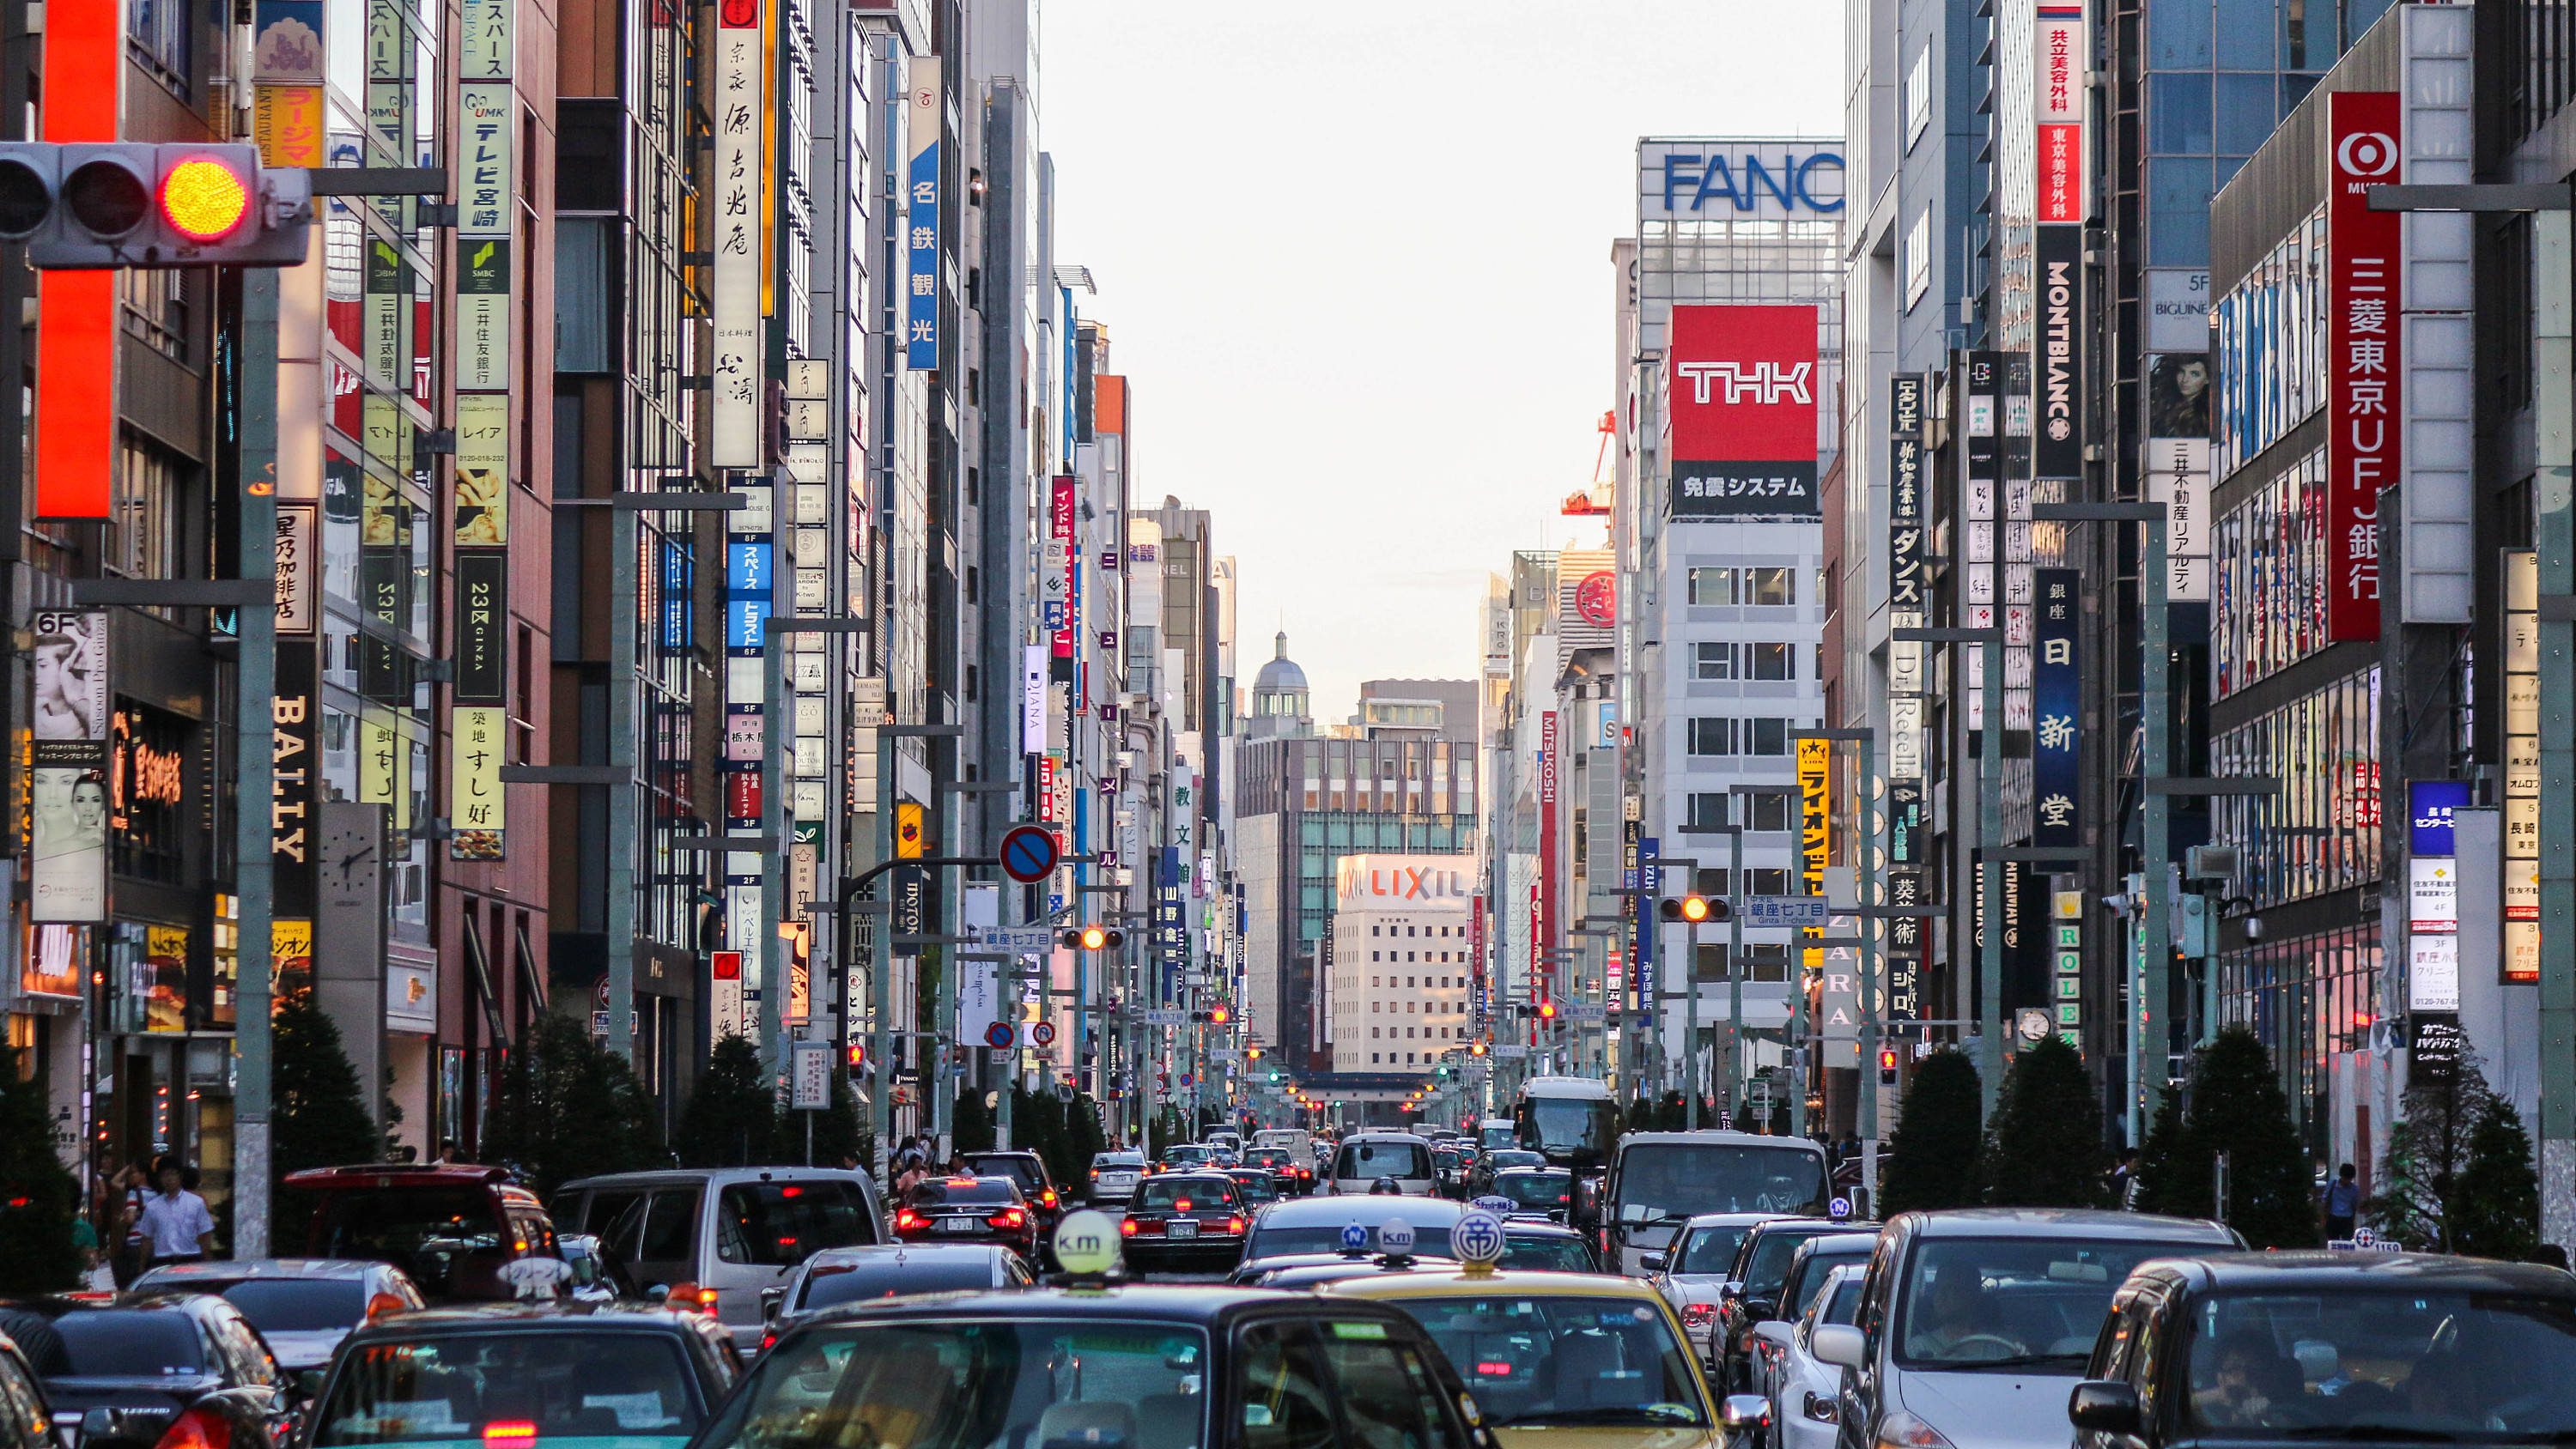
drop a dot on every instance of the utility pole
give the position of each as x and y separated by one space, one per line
1990 833
254 771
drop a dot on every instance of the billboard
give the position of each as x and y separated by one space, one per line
1740 388
2362 353
1443 884
1703 179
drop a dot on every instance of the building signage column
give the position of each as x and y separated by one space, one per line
921 220
1905 610
741 102
2433 927
67 771
2362 302
1543 923
2521 847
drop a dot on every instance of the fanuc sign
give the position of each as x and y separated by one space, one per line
1742 180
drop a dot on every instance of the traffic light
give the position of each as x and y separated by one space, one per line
138 204
1275 1077
1887 1066
1218 1014
1547 1011
1478 1048
1091 938
1695 910
855 1057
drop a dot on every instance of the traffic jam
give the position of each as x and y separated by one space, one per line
1486 1285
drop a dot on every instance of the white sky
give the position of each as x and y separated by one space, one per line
1354 259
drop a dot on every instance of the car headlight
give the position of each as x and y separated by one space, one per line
1822 1410
1901 1430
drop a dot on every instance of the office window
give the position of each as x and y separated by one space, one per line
1767 810
1767 661
1918 101
1711 965
1769 586
1713 661
1712 737
1711 881
1766 963
1712 586
1766 881
158 37
1918 255
2245 113
2178 113
1766 737
144 527
1704 812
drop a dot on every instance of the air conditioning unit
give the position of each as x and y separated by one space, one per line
2210 862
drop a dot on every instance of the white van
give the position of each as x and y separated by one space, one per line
1295 1139
1367 1158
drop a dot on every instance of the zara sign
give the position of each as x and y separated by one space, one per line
1738 180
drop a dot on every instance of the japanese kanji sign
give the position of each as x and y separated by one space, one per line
2362 299
2057 712
740 103
923 118
2063 52
1741 392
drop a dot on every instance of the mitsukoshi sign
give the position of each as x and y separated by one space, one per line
1741 389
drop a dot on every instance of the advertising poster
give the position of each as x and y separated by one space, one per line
67 776
1741 391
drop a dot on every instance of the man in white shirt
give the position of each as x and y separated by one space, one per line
176 1226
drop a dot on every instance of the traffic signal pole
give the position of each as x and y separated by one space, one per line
254 767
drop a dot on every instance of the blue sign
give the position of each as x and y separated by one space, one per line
1496 1203
747 566
998 1036
2429 804
2057 712
1477 1237
1355 1238
921 234
1839 1209
1719 186
1776 911
746 622
1650 848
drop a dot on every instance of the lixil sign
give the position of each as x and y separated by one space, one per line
1741 180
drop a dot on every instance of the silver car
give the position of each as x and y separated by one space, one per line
1114 1176
1691 1272
303 1307
1984 1318
848 1275
1804 1392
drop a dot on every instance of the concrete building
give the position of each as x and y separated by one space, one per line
1399 995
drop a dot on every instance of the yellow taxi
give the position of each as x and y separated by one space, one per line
1565 1360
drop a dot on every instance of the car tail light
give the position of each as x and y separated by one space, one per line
681 1298
1095 1173
1008 1218
706 1300
1127 1229
767 1341
1234 1225
1150 1227
907 1218
1698 1315
1048 1197
199 1428
509 1431
385 1305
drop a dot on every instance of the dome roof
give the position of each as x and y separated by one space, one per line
1281 673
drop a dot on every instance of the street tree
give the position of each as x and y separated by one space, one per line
1931 1157
2237 1108
732 1116
317 1114
2428 1153
2496 1213
2043 1146
38 1197
570 1108
2171 1178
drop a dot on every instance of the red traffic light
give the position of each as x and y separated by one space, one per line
1547 1010
1218 1014
203 200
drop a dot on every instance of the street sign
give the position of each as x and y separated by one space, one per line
1583 1011
1511 1049
1015 938
998 1036
811 1076
1029 853
1161 1016
1043 1033
1786 911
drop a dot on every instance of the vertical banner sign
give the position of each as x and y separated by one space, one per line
1741 393
2521 849
2066 952
1543 977
1982 479
2057 444
77 335
1815 830
67 784
486 215
486 208
2178 478
2057 710
1904 946
735 306
2362 301
923 120
2064 54
2433 918
1061 560
1649 1000
1905 517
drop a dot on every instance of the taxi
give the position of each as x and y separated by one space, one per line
1560 1360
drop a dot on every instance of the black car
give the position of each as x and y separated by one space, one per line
968 1210
1752 1294
1180 1221
1291 1176
143 1369
1547 1247
1029 1170
1546 1192
1258 1188
2354 1348
509 1377
836 1276
1138 1367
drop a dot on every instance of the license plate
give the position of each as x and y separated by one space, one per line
1116 1182
1181 1228
958 1225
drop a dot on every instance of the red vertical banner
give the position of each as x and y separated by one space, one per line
1062 569
76 311
2362 397
2064 53
1543 976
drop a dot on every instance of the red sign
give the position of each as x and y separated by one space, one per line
1060 528
727 965
1544 925
2063 53
1597 599
1741 386
739 14
2362 301
77 330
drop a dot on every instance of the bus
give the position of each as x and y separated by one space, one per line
1660 1180
1571 1121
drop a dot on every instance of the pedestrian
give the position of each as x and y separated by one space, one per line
131 1189
176 1226
2343 1205
2124 1181
446 1152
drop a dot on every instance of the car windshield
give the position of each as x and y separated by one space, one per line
962 1192
1772 1251
1114 1161
1541 1191
1666 1180
493 1388
2383 1362
1032 1382
1370 1160
830 1284
1256 1187
2022 1304
1548 1255
1186 1194
1565 1361
291 1305
1021 1170
112 1343
1572 1128
1282 1240
1710 1249
1514 1157
428 1232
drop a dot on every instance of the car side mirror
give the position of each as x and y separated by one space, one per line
1729 1292
770 1299
2105 1406
1654 1262
1839 1344
1745 1414
1761 1308
1773 1331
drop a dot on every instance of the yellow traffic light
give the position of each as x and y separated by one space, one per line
1093 938
203 199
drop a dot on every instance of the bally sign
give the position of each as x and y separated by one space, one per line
2362 301
1742 396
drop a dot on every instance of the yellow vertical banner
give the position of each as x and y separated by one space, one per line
1815 834
909 836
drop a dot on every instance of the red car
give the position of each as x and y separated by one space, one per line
1182 1221
968 1210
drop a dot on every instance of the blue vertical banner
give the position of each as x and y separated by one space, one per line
921 219
2057 712
1171 934
1643 916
